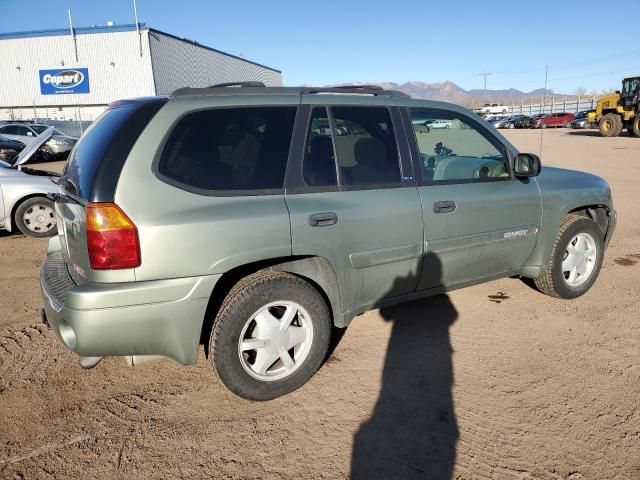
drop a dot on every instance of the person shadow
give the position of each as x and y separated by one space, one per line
412 433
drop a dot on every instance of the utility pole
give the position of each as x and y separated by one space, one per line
485 75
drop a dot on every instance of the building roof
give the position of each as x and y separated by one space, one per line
56 32
129 27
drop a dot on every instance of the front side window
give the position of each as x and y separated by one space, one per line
454 149
230 149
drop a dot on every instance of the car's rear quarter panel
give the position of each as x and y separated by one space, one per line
186 234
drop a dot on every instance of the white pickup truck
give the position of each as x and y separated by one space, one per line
492 108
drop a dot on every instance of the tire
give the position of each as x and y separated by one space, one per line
511 125
254 304
567 125
554 281
46 155
635 126
35 217
543 125
610 125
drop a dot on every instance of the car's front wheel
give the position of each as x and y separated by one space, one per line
270 335
576 259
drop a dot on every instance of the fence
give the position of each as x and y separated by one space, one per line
75 128
569 106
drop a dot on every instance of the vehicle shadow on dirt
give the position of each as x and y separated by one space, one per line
413 431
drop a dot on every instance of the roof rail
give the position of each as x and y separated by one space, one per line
375 90
238 84
258 88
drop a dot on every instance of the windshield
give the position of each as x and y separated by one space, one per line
41 128
631 85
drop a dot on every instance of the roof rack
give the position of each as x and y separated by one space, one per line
259 88
375 90
238 84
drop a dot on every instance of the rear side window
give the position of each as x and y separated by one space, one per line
319 167
229 149
365 144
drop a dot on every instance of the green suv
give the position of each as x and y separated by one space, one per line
255 220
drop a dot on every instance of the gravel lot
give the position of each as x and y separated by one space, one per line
495 381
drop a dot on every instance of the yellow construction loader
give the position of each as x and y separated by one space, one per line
619 110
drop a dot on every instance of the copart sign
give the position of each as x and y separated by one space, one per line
64 80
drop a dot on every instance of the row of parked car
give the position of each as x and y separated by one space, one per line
14 137
541 120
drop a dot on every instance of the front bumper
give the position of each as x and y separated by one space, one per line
160 317
58 149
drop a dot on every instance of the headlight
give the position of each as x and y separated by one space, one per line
58 141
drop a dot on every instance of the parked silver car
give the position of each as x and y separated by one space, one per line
59 145
23 194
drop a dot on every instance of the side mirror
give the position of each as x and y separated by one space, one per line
29 134
527 165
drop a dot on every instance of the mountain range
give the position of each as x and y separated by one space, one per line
450 92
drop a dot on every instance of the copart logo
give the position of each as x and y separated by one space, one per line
66 79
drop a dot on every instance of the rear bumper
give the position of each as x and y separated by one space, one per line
161 317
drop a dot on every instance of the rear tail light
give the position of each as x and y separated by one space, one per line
112 238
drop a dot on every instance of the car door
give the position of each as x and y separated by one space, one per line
479 220
352 199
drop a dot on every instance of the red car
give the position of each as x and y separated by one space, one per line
554 120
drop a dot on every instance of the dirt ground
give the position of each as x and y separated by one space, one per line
495 381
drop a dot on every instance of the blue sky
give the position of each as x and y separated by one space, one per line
366 41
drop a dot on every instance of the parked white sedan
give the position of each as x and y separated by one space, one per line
23 194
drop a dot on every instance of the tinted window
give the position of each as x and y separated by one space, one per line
94 165
453 149
230 148
39 128
319 165
14 130
366 146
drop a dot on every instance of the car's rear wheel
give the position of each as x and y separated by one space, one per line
567 125
610 125
36 217
270 336
576 259
543 125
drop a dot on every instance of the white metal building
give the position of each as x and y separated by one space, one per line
62 75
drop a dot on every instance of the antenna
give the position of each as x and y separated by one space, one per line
73 35
485 75
544 93
135 15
